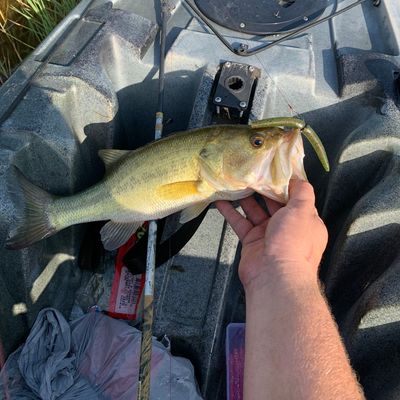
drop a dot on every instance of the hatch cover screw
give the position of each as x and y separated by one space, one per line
242 25
243 104
305 19
228 64
218 99
251 68
243 48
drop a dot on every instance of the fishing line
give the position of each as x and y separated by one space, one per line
248 43
244 50
280 92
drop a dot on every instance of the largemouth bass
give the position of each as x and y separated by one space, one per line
185 171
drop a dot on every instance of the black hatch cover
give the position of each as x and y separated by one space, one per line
262 17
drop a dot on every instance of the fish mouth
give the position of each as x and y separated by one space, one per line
280 165
281 196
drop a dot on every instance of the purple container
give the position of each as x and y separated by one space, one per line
235 360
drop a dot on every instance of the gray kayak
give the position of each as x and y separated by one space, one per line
93 85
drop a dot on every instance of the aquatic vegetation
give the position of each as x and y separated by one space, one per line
23 25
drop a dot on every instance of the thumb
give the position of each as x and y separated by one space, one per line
301 191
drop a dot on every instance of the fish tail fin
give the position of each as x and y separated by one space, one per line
34 224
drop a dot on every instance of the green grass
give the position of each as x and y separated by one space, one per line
23 25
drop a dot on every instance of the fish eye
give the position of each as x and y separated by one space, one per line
257 141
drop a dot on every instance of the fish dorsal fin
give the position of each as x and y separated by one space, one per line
192 212
110 156
115 234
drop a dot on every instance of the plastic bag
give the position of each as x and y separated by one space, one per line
96 357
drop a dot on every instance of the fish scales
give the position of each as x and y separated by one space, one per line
129 192
137 193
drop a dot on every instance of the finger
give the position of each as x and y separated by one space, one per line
273 205
301 191
253 210
237 221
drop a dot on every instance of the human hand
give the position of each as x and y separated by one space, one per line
287 245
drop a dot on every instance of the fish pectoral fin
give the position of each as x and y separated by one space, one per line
115 234
192 212
177 190
110 156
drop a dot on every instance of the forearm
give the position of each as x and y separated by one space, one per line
293 348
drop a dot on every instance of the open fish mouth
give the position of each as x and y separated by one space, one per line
280 165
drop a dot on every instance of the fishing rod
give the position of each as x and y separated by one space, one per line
148 303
